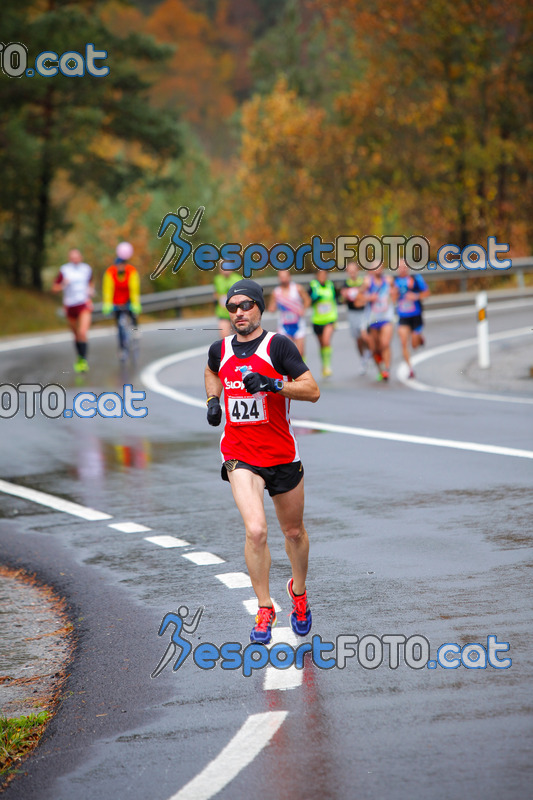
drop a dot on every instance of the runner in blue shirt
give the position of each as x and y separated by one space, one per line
409 291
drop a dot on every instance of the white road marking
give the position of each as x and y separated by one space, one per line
282 679
203 558
129 527
413 383
251 606
57 503
167 541
151 381
247 743
411 439
235 580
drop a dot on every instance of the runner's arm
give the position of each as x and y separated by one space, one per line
108 288
59 283
134 286
423 289
304 295
312 294
303 388
287 361
213 384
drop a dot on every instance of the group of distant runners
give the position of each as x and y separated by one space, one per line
121 290
373 299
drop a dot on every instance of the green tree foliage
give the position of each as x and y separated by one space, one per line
98 132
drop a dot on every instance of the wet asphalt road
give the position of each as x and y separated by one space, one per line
406 539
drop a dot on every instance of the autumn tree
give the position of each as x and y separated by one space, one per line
421 115
90 129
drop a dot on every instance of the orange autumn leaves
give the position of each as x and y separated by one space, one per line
198 80
433 136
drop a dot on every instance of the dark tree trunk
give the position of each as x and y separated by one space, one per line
43 202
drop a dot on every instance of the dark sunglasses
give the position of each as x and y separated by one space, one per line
246 305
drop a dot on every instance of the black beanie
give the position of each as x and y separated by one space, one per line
249 289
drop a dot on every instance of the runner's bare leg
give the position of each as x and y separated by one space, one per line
289 509
248 493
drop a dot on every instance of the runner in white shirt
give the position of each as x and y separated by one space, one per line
75 280
291 301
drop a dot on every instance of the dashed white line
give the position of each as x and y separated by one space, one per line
251 605
247 743
129 527
282 679
167 541
235 580
50 501
203 559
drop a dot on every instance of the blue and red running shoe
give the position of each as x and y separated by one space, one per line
301 619
264 622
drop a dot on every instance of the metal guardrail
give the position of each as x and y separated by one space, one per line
204 294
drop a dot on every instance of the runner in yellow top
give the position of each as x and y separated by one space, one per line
324 315
222 283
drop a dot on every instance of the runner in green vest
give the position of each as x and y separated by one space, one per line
353 294
222 283
324 315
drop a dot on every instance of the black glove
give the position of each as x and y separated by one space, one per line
255 382
214 411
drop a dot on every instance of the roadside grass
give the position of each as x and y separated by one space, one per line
27 311
18 737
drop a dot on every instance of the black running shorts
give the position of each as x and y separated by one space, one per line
278 480
416 323
319 329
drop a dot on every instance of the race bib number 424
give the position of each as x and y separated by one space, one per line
246 410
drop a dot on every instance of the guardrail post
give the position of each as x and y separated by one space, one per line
482 331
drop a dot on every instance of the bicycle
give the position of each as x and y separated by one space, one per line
128 334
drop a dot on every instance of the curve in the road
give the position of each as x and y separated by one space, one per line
402 372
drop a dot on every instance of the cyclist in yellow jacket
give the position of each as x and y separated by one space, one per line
121 291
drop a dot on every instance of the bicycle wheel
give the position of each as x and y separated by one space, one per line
124 337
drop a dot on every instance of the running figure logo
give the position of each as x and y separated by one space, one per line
176 640
178 220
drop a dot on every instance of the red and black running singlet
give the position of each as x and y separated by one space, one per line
258 429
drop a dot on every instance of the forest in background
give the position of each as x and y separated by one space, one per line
284 118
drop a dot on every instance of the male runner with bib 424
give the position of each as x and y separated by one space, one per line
260 373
